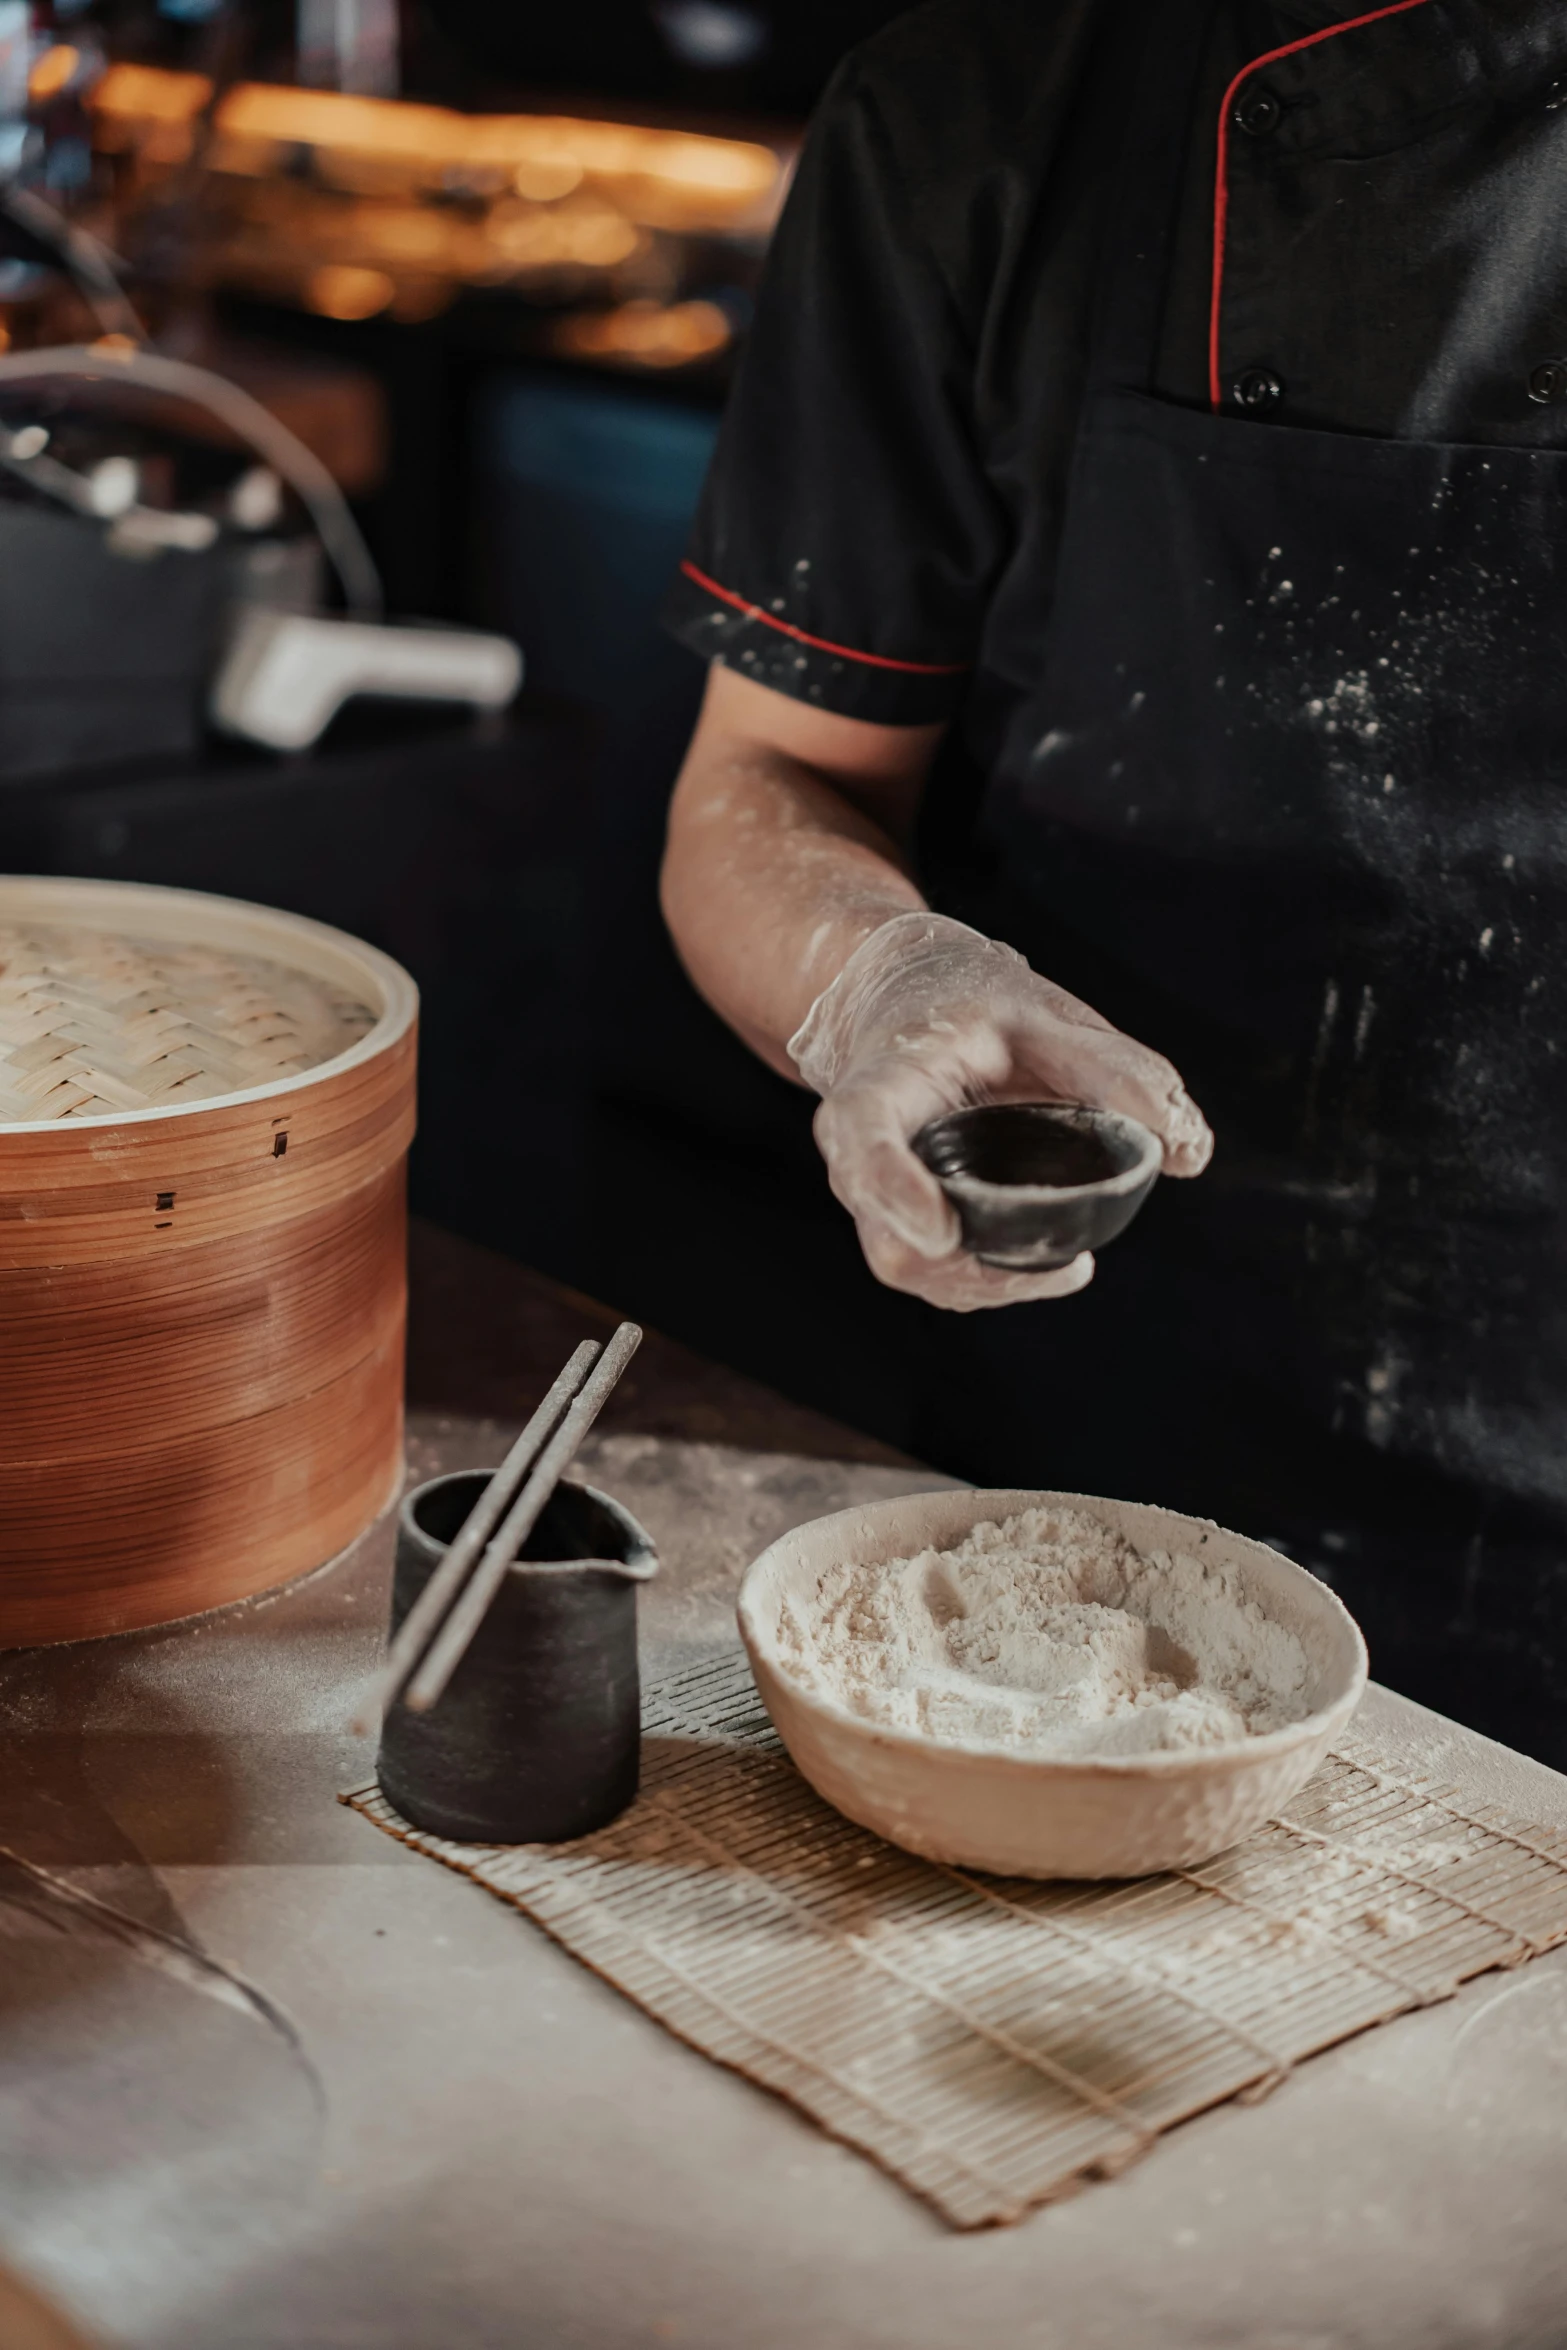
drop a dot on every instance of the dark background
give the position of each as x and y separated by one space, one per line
581 1109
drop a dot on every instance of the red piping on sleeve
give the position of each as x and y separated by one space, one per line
820 643
1221 193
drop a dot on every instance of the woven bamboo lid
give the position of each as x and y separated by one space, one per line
94 1023
159 1042
117 999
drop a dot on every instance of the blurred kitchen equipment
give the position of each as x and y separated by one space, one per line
205 1110
107 366
110 658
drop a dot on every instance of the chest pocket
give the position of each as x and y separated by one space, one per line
1389 212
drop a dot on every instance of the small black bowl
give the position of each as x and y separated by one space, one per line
1036 1183
537 1736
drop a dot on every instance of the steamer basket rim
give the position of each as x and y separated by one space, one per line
194 917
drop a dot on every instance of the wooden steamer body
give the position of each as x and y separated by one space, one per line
205 1113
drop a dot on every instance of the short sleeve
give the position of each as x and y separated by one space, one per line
847 535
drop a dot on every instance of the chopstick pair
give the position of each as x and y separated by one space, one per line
434 1635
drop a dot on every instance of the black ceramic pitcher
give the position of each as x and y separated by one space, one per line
537 1735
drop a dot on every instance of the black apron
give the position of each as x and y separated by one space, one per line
1298 817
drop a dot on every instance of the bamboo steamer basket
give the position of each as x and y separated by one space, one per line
205 1113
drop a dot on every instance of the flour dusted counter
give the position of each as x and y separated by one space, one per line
280 2081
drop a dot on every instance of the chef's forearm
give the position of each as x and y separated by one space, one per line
775 869
771 880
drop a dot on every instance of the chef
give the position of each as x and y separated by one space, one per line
1134 572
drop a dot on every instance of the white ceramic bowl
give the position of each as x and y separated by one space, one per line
1029 1816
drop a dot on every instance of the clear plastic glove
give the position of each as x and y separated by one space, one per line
929 1016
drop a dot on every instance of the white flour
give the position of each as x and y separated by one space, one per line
1049 1632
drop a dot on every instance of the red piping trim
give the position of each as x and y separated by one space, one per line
1221 194
820 643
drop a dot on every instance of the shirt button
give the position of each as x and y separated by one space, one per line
1257 112
1259 388
1548 382
1556 93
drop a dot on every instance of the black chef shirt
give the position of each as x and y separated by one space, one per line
880 533
879 530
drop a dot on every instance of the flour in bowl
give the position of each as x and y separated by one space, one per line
1051 1634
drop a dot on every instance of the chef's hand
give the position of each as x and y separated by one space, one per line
924 1018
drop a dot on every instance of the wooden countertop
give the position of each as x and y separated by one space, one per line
267 2078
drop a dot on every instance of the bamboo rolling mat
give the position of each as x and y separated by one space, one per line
993 2042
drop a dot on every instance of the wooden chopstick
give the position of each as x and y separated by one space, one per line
450 1644
420 1624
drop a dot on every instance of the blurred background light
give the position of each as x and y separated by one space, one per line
705 33
344 292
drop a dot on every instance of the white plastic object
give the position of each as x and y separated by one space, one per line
113 487
286 675
148 530
256 500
